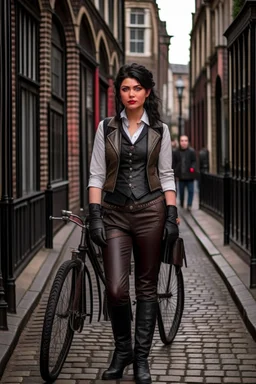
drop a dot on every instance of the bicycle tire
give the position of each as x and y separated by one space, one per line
88 287
50 372
170 301
96 261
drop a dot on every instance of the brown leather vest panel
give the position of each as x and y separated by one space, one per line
112 153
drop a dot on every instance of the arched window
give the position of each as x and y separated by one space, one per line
27 100
57 134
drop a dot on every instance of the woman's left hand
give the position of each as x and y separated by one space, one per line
171 230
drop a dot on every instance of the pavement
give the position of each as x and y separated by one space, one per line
234 271
29 288
212 346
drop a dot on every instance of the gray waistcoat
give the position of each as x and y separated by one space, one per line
132 179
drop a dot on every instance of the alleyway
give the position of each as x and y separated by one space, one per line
212 346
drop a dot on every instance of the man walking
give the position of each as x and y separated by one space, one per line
184 165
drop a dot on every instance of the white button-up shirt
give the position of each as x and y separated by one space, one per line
98 161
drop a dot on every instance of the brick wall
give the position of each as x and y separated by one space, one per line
45 91
65 14
111 98
73 109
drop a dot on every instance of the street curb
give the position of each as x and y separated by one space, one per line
16 322
239 292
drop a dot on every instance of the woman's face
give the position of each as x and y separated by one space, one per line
132 94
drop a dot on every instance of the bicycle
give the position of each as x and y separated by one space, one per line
70 300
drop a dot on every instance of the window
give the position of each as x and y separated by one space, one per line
28 140
103 101
57 63
86 127
111 14
137 30
102 8
120 20
57 135
27 106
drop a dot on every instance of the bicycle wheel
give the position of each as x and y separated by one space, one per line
57 334
95 256
170 301
88 294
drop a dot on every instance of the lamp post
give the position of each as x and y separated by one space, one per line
180 86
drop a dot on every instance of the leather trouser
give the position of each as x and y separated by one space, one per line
141 231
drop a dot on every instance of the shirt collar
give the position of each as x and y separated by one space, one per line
144 118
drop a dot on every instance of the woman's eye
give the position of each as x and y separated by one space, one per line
137 88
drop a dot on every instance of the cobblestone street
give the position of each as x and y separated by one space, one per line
212 346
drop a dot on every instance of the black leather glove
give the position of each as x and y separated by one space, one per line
171 230
96 225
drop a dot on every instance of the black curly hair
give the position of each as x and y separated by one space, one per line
145 78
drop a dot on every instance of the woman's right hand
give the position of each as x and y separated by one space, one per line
96 225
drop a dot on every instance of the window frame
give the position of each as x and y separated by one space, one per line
57 106
31 86
111 15
87 123
136 28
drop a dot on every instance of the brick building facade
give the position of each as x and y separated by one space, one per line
147 43
58 60
208 79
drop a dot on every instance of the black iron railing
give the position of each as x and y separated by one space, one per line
56 198
215 198
23 233
211 194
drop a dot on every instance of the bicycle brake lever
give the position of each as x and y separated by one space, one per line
66 213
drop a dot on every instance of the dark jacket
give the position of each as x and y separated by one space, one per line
184 164
113 150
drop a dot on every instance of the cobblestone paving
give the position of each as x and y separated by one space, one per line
212 346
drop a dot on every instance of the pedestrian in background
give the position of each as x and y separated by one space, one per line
132 164
184 165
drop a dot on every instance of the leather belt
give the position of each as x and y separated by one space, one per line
133 206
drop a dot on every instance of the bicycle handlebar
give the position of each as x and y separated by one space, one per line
70 216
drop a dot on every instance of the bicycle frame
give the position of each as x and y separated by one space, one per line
85 248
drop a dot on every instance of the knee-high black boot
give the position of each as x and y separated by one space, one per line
146 313
123 354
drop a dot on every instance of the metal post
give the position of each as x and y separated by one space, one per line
5 131
226 195
49 192
48 213
253 159
253 232
180 86
180 116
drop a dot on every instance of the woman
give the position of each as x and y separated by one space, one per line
131 164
